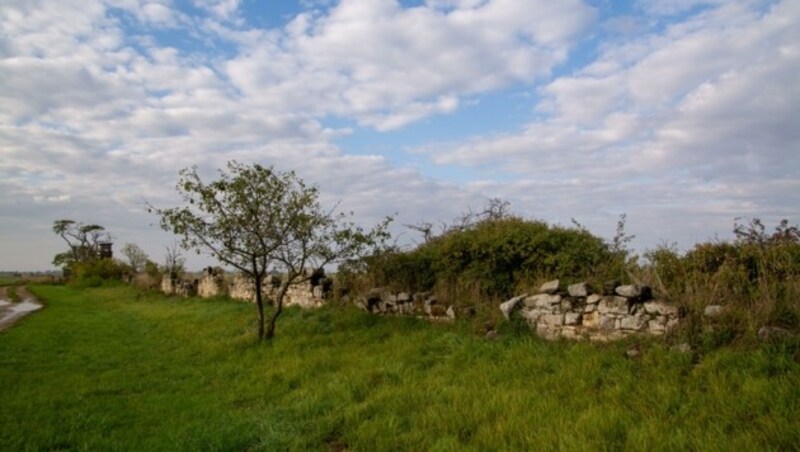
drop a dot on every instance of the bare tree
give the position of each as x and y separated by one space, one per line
137 258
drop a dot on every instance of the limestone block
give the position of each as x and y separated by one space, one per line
508 307
317 291
671 323
542 301
552 320
606 322
593 299
451 313
570 332
613 305
633 322
403 297
567 304
550 287
533 315
633 291
572 318
590 308
770 333
591 319
546 332
580 289
656 328
661 308
714 310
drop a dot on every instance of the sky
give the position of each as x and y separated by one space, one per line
682 114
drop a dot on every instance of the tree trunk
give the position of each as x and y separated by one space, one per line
260 307
278 310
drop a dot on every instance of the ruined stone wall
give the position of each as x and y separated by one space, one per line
312 293
423 304
212 283
575 312
180 287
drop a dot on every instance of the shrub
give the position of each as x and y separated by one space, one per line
94 273
491 259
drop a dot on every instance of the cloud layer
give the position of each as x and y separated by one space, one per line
682 114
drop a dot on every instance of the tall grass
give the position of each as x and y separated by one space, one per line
113 368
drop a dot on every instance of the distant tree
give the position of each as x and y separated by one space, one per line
136 257
83 241
754 232
174 262
258 219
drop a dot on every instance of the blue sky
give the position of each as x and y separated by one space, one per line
680 113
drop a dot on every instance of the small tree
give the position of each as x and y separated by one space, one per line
258 219
137 258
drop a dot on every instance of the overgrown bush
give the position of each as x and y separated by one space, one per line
756 277
96 272
490 260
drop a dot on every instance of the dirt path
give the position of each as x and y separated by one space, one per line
11 312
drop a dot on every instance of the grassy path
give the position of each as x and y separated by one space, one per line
111 369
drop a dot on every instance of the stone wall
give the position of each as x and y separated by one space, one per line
424 304
180 287
309 294
577 312
212 283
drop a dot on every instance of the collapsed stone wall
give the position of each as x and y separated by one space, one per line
179 287
212 283
575 312
311 293
422 304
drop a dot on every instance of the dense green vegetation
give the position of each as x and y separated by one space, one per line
112 368
755 276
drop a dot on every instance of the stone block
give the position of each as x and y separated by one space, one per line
661 308
552 320
672 323
508 307
550 287
613 305
593 299
591 319
580 289
572 318
656 328
403 297
714 310
629 291
533 315
607 323
450 313
633 322
542 301
590 308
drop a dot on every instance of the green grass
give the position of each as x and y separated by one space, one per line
12 295
110 368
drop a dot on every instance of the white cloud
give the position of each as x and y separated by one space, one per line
699 118
693 121
388 66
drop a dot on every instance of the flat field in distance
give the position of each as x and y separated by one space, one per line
115 368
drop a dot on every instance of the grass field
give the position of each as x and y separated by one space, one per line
112 368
